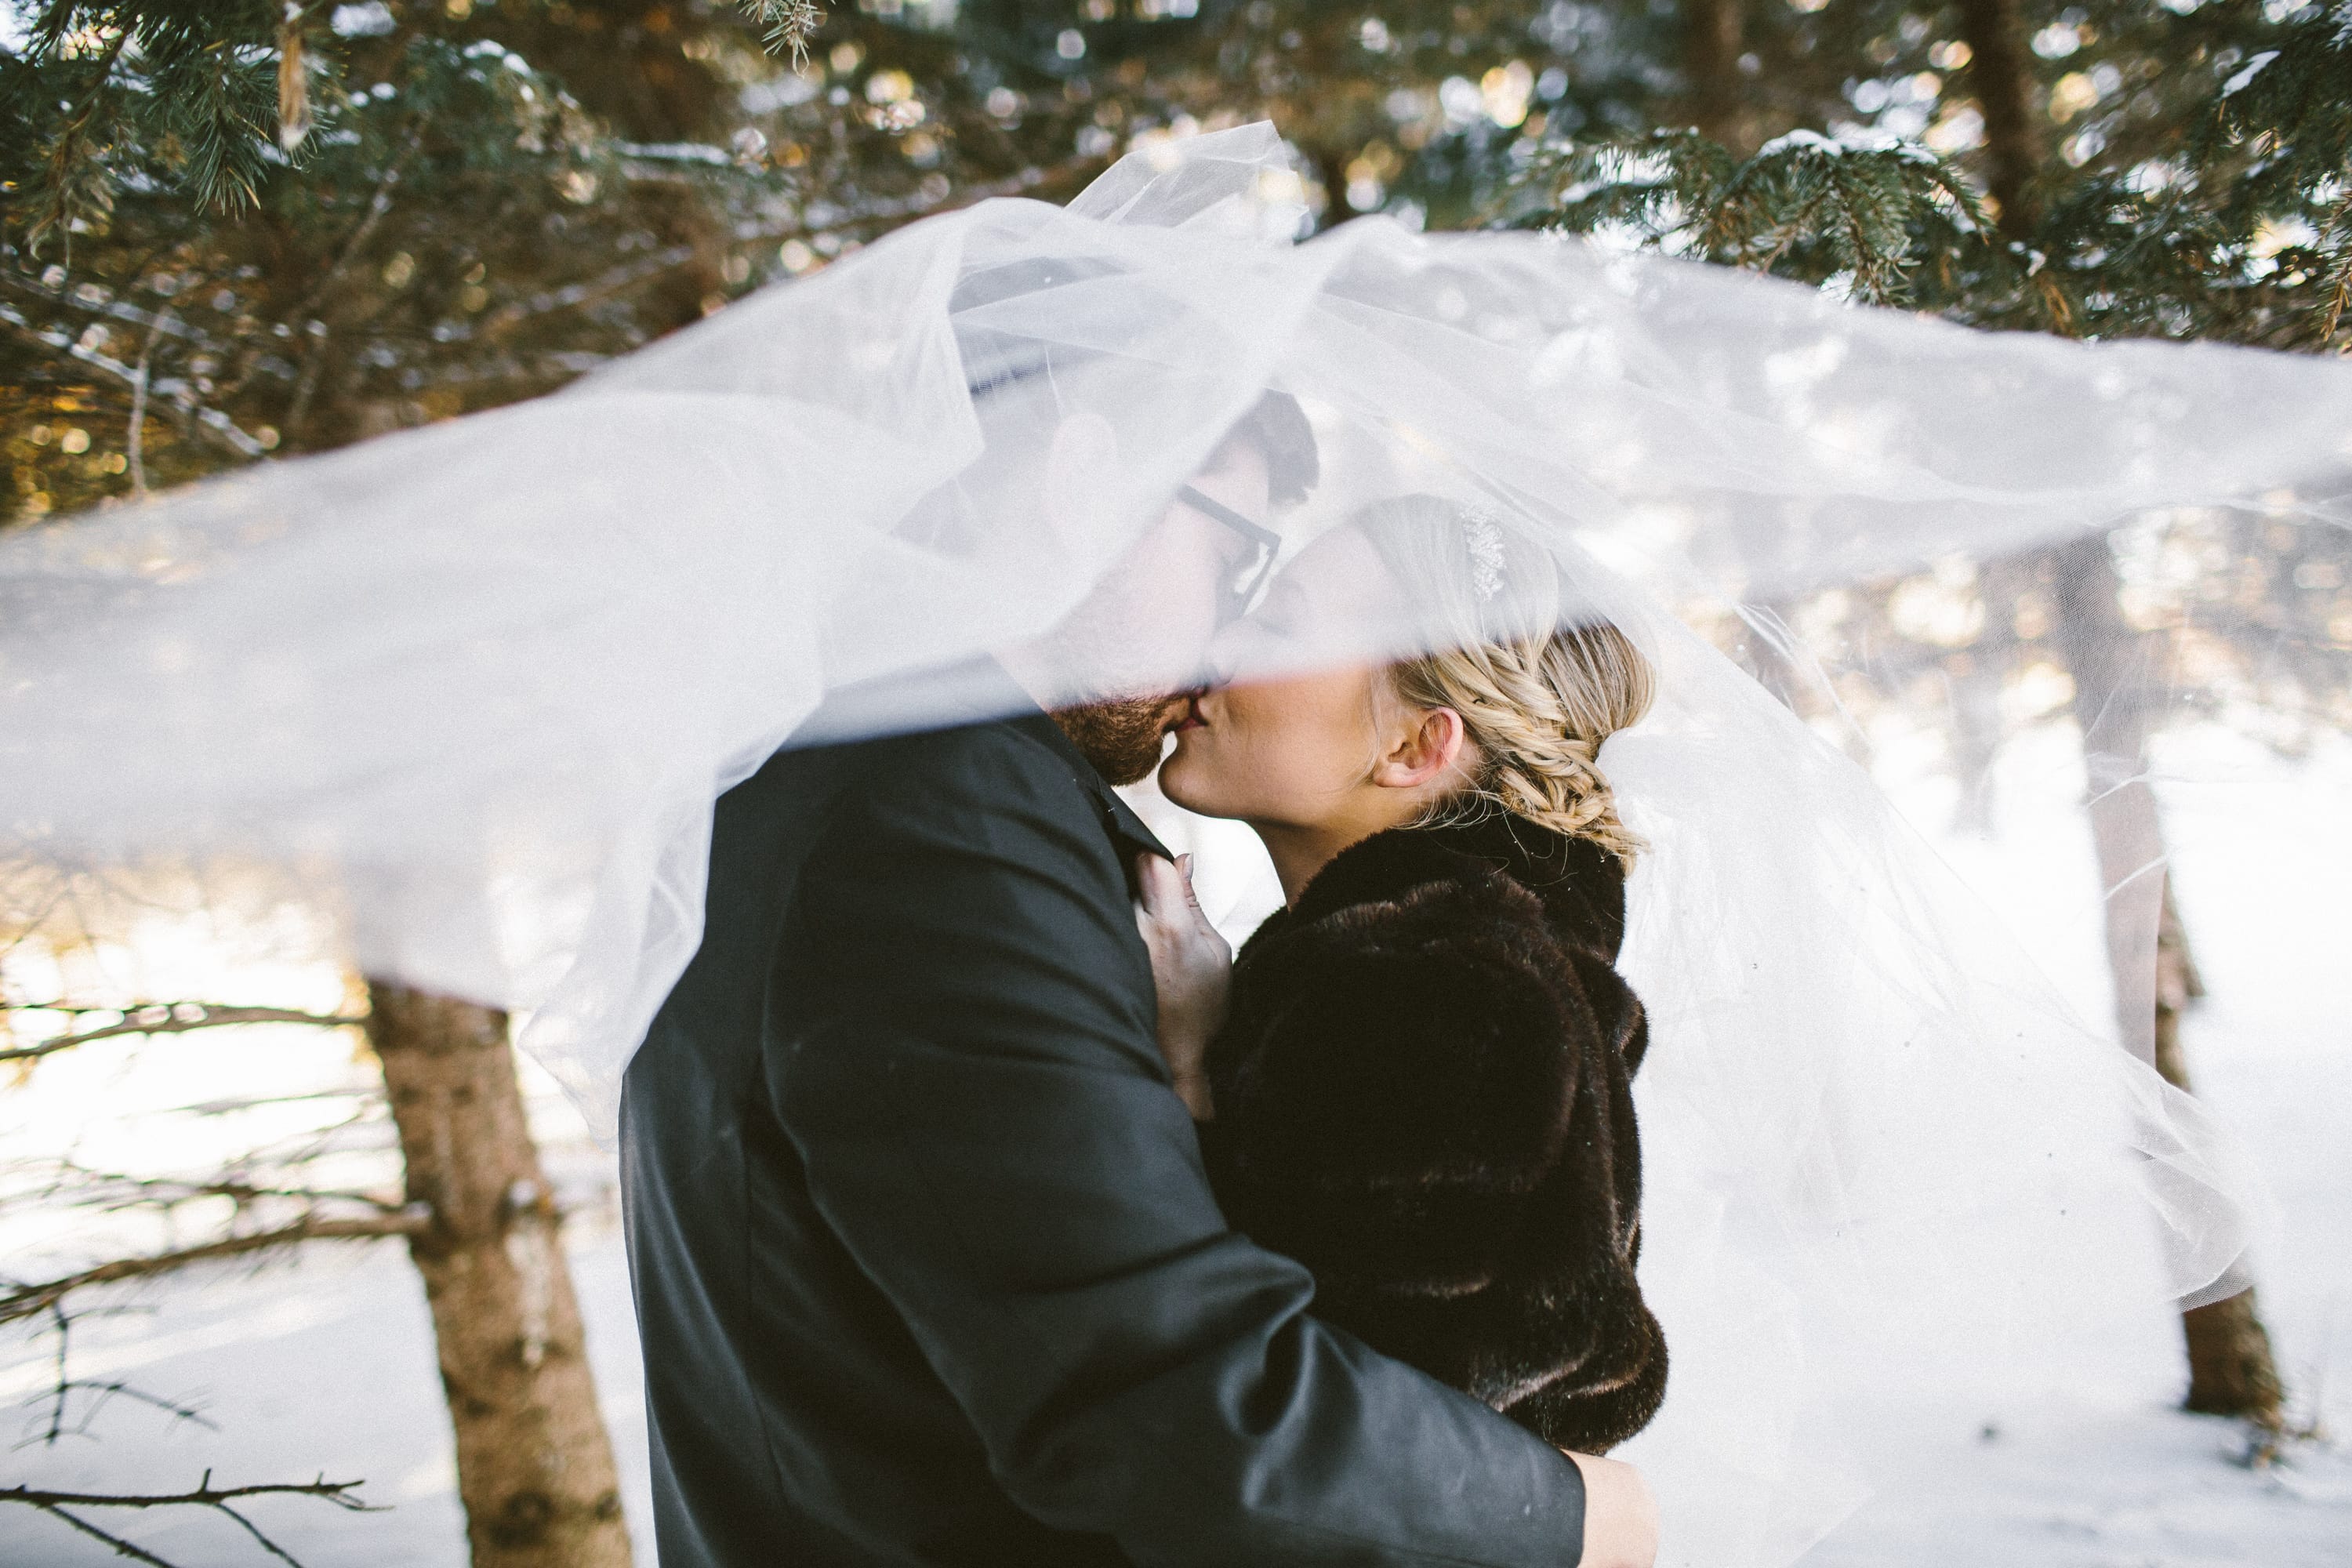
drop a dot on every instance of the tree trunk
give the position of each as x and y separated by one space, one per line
534 1469
2106 660
2231 1370
2004 79
1717 99
1973 681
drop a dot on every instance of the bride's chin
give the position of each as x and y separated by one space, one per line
1181 781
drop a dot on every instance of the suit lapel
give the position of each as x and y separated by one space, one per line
978 689
1125 829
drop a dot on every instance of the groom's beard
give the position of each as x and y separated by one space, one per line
1122 739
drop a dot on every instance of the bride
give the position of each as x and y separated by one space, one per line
1420 1083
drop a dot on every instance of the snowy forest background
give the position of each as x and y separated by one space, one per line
248 1208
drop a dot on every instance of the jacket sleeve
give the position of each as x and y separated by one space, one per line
962 1051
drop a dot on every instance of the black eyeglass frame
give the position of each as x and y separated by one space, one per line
1257 533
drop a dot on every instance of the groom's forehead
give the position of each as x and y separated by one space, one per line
1239 460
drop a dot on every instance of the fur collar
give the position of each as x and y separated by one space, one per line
1580 884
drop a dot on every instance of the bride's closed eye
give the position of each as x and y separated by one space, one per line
1264 641
1280 612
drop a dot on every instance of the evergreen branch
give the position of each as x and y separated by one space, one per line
68 180
786 26
621 279
2287 108
1801 205
220 139
176 1019
2337 238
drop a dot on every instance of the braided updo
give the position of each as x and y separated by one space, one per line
1538 689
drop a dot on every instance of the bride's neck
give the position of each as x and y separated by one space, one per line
1299 850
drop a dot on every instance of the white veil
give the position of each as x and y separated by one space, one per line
471 689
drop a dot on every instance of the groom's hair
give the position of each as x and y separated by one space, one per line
995 360
1277 426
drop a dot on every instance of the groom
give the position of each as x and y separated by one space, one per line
926 1265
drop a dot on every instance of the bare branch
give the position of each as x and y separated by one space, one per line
894 210
118 1191
205 1495
121 1547
135 437
176 1019
255 1531
591 292
60 1398
165 320
26 1301
101 1394
249 1102
220 425
220 1500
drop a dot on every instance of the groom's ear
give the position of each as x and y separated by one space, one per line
1424 749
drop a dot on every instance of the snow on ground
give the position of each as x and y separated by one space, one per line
326 1364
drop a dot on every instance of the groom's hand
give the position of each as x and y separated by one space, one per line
1620 1517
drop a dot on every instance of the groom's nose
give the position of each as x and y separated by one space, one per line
1230 652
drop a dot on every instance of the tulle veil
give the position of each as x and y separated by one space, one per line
469 691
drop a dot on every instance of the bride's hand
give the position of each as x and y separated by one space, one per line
1193 968
1620 1515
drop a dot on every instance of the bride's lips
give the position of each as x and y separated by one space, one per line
1192 718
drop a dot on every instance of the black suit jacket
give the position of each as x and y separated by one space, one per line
926 1266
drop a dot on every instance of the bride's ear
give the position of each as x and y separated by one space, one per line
1423 749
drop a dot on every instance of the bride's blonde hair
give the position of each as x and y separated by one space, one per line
1538 685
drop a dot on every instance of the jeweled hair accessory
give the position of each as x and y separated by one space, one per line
1482 533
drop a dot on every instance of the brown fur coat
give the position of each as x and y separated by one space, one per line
1421 1093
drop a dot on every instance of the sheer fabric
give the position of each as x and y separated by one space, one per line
468 691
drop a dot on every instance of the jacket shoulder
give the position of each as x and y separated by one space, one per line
1002 766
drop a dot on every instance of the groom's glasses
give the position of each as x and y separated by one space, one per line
1250 575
